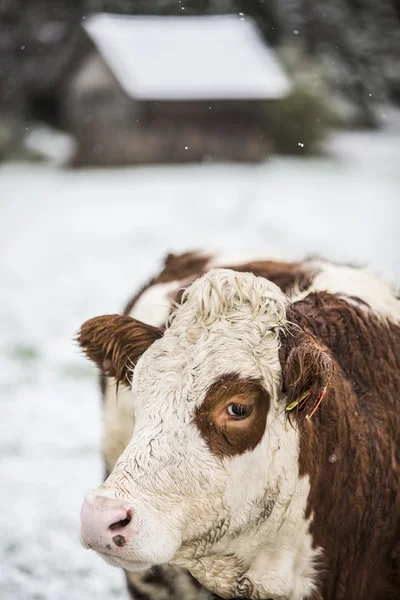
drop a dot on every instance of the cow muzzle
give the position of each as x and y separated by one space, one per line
106 524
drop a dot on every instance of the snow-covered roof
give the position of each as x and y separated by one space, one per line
221 57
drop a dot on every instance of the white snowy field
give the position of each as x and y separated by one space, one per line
77 244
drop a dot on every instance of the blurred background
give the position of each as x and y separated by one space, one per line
129 129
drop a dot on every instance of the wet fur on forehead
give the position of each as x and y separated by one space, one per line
224 294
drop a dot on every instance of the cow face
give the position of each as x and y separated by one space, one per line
212 468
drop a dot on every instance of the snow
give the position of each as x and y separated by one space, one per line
55 146
78 243
193 58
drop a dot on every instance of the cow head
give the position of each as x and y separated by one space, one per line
210 479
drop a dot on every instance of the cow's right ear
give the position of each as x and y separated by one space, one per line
307 372
116 342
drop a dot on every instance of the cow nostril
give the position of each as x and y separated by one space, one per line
123 523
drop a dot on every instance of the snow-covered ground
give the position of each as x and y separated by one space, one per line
77 244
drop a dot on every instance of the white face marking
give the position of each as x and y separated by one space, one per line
360 283
118 420
217 517
152 307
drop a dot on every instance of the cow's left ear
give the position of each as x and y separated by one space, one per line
116 342
307 371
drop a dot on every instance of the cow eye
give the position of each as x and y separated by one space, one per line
238 410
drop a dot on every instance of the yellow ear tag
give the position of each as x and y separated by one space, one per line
293 405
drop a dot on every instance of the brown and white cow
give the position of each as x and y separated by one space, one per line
265 452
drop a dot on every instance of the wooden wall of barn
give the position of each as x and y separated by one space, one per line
113 129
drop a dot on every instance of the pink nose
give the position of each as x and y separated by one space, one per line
106 524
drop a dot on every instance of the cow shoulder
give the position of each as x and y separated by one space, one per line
349 448
358 285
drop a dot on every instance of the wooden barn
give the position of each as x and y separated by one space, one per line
147 89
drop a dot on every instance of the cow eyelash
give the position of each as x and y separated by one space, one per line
238 411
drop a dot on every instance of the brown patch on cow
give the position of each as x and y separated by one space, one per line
350 448
119 540
115 343
286 275
181 266
227 436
